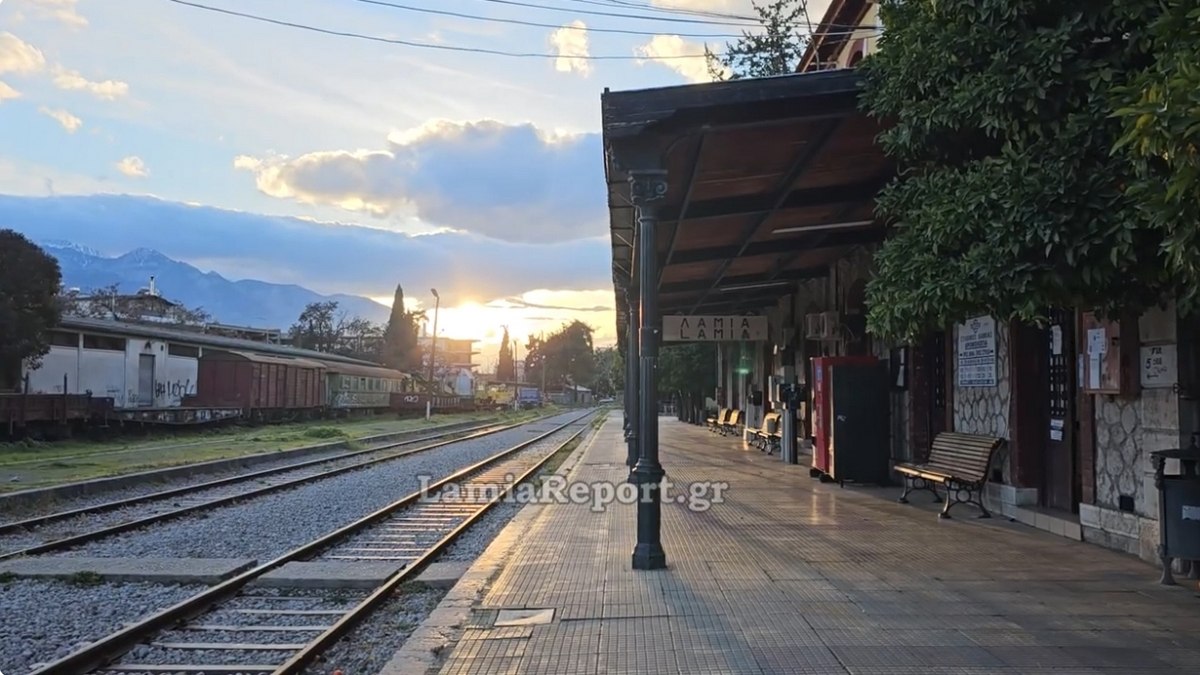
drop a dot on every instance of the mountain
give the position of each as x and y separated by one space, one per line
247 302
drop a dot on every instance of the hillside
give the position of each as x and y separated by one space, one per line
246 302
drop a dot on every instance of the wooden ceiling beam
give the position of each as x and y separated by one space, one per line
756 205
798 244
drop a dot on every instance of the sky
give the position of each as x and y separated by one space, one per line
271 152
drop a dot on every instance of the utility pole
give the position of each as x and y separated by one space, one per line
437 303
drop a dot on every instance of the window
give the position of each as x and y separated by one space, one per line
183 350
114 344
62 338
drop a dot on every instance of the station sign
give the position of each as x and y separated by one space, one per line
714 328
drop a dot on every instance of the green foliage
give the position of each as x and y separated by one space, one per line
317 327
506 367
610 372
401 349
324 432
566 356
687 369
29 282
774 49
1009 200
1160 113
85 578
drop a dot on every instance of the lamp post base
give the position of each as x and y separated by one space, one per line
649 557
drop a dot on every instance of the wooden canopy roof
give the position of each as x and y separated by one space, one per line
769 181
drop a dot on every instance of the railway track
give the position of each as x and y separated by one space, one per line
188 499
253 630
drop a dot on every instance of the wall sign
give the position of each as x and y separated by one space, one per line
704 328
977 352
1158 366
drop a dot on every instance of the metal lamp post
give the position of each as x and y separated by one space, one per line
647 189
437 303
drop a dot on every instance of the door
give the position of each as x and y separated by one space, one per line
1059 490
928 414
145 379
858 423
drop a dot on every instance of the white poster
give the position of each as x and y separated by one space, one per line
977 352
1097 342
1158 366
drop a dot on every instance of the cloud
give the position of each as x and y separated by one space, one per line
72 80
7 92
60 10
18 56
325 257
521 302
510 182
133 167
570 43
666 48
68 121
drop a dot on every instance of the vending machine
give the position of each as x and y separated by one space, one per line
850 419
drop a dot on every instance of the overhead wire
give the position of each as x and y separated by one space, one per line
431 45
521 22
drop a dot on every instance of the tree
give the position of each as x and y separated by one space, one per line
401 347
687 373
566 356
775 50
506 367
1009 200
1160 112
29 309
610 372
317 327
359 338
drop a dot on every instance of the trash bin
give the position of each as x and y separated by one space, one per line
1178 509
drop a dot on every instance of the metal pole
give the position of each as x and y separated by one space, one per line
631 381
648 188
437 303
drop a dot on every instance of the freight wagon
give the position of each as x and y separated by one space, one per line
264 386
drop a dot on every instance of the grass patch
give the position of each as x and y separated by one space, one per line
324 432
85 578
7 577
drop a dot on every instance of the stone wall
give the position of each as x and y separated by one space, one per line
1127 431
984 410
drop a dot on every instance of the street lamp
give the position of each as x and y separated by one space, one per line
437 303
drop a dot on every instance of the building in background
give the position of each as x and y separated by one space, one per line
454 363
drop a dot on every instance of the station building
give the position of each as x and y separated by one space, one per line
759 196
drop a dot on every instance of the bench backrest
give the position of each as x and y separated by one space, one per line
967 456
770 423
727 416
721 415
736 417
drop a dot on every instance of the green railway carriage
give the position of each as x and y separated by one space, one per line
361 387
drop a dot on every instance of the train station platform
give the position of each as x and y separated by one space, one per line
787 575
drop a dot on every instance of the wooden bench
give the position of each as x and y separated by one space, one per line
714 423
957 462
732 422
761 437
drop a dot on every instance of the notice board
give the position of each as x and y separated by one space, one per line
977 352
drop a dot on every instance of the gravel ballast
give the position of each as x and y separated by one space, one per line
41 621
17 541
273 524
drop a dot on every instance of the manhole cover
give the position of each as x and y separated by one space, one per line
524 617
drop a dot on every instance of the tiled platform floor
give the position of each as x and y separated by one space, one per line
791 576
